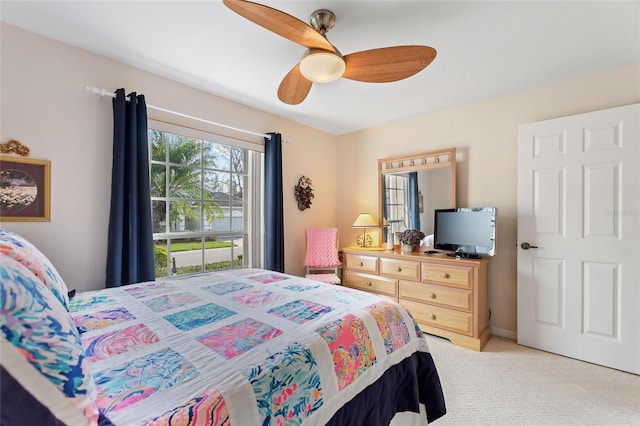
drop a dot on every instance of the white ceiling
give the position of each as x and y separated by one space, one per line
485 48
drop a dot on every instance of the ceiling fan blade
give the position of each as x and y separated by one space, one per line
294 87
388 63
280 23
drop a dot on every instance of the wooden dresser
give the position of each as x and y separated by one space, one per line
446 296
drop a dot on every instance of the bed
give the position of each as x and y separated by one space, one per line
237 347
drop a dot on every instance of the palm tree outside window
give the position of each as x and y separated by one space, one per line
204 202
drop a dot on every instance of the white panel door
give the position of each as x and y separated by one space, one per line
579 237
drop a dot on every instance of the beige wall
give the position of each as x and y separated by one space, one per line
485 135
44 105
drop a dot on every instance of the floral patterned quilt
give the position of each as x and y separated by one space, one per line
243 347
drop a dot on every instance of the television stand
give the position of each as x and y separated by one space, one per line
464 255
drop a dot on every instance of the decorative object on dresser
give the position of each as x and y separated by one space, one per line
447 297
410 240
364 221
389 237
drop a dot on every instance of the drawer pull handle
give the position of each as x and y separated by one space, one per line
445 275
399 269
361 264
369 283
432 316
432 295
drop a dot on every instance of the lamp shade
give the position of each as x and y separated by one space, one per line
364 220
322 67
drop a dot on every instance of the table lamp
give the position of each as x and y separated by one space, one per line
364 221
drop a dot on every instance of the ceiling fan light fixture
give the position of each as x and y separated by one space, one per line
322 67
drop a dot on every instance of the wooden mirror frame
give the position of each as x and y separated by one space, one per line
445 158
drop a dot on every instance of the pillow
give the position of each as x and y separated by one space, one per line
23 251
41 352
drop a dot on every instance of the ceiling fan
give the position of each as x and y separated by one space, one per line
323 63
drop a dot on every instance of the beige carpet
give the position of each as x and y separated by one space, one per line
508 384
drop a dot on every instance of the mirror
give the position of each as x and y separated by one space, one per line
412 187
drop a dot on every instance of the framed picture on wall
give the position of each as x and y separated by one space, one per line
25 189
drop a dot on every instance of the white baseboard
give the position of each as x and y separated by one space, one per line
501 332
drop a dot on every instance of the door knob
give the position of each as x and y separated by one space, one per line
527 246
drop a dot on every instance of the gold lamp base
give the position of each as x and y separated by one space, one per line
364 240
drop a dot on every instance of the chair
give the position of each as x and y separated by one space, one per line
322 255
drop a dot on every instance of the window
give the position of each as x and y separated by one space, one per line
396 187
205 201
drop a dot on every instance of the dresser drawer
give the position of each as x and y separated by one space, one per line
437 294
435 316
357 262
371 283
455 276
399 268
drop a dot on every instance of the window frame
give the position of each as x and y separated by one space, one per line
396 205
253 224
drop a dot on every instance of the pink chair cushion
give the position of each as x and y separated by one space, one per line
322 247
324 278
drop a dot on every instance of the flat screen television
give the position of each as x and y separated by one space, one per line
467 232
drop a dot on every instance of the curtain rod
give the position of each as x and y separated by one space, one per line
101 93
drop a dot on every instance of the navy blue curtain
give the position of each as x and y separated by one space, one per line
414 196
130 240
273 210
